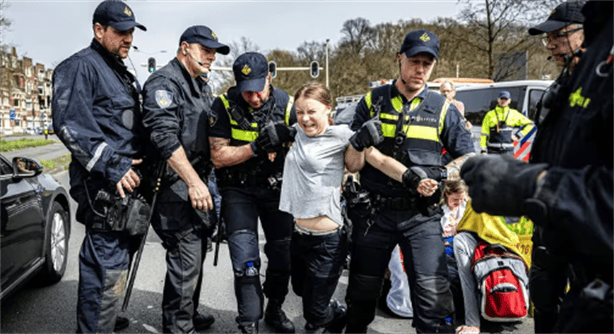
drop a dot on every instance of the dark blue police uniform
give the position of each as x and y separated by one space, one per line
176 114
248 195
96 114
402 217
576 141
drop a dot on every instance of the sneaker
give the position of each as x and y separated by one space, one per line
121 323
202 321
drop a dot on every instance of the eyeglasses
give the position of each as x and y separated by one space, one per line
549 38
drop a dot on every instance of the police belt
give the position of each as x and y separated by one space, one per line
242 179
395 203
502 146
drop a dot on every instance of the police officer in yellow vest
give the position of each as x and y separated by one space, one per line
402 174
498 127
248 128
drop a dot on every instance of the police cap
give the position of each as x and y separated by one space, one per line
251 70
420 41
205 37
117 15
563 15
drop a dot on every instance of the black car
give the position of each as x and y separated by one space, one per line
35 225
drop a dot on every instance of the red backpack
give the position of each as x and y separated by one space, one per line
502 280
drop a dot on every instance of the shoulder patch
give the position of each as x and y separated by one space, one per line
164 98
212 119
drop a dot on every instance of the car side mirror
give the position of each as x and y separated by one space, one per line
26 167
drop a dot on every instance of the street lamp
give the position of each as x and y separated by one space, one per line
327 62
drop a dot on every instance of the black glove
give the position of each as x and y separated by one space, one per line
369 134
272 136
412 177
415 174
499 184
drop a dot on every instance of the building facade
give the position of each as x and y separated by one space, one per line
25 94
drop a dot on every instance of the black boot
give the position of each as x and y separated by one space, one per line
121 323
275 317
251 328
202 321
309 328
340 318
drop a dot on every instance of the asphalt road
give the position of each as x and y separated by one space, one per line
53 309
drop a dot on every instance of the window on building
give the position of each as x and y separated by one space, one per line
40 89
28 104
16 102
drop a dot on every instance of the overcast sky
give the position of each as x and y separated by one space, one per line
50 31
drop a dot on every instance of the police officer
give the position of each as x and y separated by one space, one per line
249 167
567 188
176 113
402 175
563 36
498 127
96 114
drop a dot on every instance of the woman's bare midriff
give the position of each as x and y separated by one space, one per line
322 223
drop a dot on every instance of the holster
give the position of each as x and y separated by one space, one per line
129 214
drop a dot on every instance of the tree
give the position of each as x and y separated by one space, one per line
500 26
357 33
309 51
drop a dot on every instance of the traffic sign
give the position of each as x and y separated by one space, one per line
12 114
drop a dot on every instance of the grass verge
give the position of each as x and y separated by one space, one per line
20 144
56 165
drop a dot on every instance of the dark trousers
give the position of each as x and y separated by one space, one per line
317 264
185 254
547 284
242 207
419 238
103 270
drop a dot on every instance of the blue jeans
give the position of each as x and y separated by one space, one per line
242 207
423 251
317 264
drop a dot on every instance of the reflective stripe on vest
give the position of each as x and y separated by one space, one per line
389 121
289 110
238 133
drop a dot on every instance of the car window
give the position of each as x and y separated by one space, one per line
535 95
5 168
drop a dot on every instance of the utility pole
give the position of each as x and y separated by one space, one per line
327 62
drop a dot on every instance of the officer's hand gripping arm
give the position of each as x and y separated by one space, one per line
369 134
272 136
423 180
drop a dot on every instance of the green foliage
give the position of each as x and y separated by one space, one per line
12 145
57 164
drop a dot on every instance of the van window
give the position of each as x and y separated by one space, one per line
481 100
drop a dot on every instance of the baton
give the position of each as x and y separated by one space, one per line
218 240
137 260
